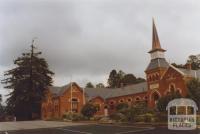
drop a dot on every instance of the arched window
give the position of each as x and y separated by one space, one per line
157 76
121 100
178 91
129 100
137 99
153 77
172 88
155 97
150 78
75 105
112 102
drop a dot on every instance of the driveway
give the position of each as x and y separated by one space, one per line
22 125
101 129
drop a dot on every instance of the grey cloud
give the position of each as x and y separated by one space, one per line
88 38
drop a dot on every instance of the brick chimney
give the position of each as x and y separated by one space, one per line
189 66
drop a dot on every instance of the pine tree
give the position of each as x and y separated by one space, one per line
29 81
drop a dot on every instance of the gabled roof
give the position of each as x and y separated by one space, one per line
186 72
159 62
116 92
191 73
58 91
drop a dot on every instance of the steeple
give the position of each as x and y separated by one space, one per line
155 40
157 53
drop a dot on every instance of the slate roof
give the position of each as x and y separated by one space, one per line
159 62
58 91
191 73
116 92
103 92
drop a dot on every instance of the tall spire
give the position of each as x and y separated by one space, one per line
155 40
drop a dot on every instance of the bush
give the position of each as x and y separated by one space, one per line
89 110
118 117
73 116
163 101
149 117
121 106
98 117
161 117
139 118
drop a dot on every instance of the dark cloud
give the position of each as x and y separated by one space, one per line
86 39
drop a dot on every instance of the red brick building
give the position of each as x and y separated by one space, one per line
161 77
60 100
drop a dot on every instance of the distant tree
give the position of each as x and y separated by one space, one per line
112 80
89 110
100 85
194 60
179 65
128 79
89 85
119 79
163 101
28 80
193 87
140 80
115 78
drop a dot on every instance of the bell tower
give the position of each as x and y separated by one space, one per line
156 68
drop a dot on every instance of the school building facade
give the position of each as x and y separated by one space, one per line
161 79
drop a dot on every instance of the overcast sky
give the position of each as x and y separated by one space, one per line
86 39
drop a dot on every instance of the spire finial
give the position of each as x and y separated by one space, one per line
155 39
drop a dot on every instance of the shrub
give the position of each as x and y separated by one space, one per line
163 101
98 117
121 106
148 117
118 117
89 110
73 116
139 118
161 117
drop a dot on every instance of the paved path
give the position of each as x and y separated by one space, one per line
101 129
21 125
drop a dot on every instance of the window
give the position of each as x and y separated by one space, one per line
172 88
111 105
98 107
157 76
112 102
137 98
150 78
75 105
129 99
121 100
56 108
178 91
